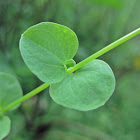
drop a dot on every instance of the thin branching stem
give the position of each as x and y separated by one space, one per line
104 50
25 97
74 68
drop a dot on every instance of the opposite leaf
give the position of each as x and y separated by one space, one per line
4 126
88 88
10 90
45 49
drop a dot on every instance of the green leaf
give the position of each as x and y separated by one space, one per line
45 49
4 126
88 88
10 90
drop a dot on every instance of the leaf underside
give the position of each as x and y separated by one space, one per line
88 88
46 47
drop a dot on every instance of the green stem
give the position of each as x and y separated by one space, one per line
77 66
104 50
25 97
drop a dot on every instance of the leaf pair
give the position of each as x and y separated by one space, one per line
10 90
48 49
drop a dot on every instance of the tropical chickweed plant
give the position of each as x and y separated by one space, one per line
48 50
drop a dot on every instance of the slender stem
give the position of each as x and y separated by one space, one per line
77 66
104 50
25 97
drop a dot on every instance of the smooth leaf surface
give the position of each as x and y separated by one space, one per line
5 123
46 47
10 90
88 88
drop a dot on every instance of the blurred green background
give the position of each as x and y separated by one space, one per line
97 23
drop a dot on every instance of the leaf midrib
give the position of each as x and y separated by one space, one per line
44 49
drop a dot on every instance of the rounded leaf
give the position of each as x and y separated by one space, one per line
5 123
46 47
88 88
10 90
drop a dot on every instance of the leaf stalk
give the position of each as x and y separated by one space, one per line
74 68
